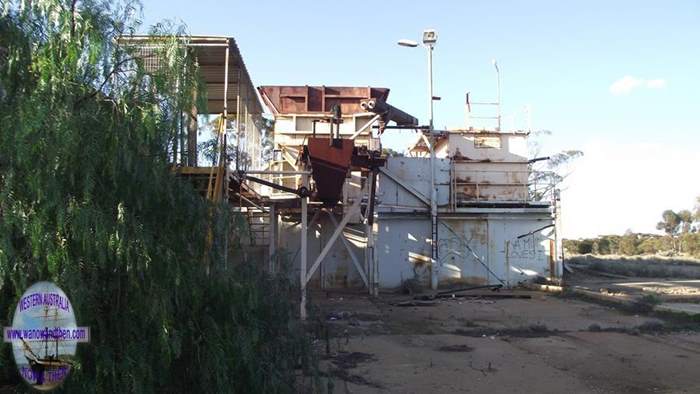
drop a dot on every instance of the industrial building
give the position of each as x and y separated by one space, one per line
489 231
326 205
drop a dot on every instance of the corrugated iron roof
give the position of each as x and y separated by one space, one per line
210 52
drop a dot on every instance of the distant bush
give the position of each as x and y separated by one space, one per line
636 244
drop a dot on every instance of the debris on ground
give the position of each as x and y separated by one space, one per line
342 315
416 303
531 331
456 348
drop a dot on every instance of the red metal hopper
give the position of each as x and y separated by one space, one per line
330 161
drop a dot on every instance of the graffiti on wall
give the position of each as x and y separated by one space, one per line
528 247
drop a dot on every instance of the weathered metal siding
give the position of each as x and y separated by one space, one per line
403 249
490 181
471 241
352 190
337 269
511 147
415 172
292 130
463 251
528 254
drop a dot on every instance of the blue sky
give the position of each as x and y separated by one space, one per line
617 80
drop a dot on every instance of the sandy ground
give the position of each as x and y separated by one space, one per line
545 344
666 288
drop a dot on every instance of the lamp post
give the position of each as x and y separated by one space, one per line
429 40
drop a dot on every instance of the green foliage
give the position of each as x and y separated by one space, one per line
650 299
670 222
546 176
682 237
388 152
88 201
686 220
636 244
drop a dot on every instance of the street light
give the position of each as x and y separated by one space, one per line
408 43
429 40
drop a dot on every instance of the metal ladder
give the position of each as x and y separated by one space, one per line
258 226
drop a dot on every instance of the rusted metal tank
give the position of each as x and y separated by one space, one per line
330 160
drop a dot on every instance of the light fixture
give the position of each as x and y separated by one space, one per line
429 37
408 43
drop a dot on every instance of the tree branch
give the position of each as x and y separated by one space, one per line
111 73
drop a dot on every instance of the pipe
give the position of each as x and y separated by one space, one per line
535 231
536 159
301 192
389 112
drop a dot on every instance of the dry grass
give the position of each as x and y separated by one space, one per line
640 266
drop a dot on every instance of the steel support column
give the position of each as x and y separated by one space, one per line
302 271
273 238
370 261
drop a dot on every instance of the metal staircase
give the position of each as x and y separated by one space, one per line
259 227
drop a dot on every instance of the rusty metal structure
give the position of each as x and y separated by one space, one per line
232 102
490 231
328 136
326 201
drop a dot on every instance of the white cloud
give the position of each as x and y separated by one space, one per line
628 83
656 83
620 186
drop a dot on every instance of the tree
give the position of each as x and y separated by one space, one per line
628 244
547 175
686 220
88 200
669 223
388 152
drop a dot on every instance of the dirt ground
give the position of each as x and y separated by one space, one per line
542 344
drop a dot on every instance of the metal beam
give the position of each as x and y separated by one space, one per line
371 262
278 172
354 259
302 276
273 237
355 206
289 158
365 127
262 209
408 187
